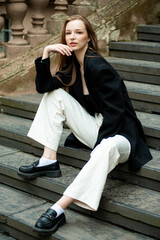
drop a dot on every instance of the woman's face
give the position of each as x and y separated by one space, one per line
76 35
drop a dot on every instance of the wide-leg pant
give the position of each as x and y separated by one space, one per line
57 107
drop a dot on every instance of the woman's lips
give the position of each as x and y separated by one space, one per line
73 44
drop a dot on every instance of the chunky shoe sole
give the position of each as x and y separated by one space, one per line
50 231
54 174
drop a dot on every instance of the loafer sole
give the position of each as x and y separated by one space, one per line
54 174
49 231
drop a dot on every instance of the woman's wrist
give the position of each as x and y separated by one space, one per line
46 53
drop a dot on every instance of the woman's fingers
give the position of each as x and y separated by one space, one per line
59 48
64 50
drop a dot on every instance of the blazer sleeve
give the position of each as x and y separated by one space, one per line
45 82
109 87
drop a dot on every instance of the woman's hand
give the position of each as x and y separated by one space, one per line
57 48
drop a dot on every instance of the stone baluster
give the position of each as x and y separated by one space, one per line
70 1
72 7
38 17
54 24
81 7
61 6
16 10
37 33
2 55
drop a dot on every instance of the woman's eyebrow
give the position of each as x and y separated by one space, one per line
78 29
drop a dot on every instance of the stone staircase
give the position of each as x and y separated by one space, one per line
130 204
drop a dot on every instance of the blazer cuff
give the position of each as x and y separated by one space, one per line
40 60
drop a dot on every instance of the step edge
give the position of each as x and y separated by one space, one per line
115 206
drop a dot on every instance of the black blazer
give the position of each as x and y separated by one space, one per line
110 97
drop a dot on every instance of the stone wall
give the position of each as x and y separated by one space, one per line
117 20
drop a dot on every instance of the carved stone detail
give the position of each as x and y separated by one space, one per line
61 6
54 24
70 1
38 17
16 10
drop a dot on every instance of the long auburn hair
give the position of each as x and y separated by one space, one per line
68 62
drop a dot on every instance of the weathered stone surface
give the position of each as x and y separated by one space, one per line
18 159
23 106
152 91
12 50
55 24
17 127
78 227
125 199
127 21
154 164
147 51
24 210
137 198
145 97
13 201
138 46
155 29
17 76
136 70
5 237
6 150
25 102
150 169
27 105
83 7
138 66
149 32
153 121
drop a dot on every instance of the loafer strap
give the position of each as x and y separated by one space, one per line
34 164
48 216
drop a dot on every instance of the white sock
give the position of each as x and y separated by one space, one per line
44 161
58 209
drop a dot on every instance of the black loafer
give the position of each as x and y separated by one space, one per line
48 223
32 171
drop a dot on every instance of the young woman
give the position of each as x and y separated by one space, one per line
98 111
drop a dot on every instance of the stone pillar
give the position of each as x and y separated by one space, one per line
37 33
55 23
16 10
81 7
2 55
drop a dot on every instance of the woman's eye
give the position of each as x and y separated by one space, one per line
79 32
68 33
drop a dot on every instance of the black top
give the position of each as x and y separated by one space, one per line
89 105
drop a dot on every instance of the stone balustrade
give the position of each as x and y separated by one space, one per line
25 13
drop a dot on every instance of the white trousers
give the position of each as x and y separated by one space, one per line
57 107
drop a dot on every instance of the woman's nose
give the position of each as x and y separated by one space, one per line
72 35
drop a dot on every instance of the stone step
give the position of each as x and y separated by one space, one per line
142 50
145 97
23 106
4 236
13 131
148 176
123 204
149 32
137 70
11 126
20 211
